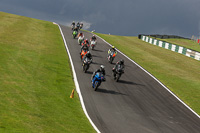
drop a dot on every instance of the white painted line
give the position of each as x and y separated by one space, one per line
76 82
154 79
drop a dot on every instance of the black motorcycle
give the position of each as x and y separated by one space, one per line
117 73
86 64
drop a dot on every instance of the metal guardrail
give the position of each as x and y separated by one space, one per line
162 36
176 48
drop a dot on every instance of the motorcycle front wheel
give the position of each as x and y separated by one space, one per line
96 85
111 60
85 68
117 77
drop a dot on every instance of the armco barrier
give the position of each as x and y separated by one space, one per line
172 47
163 36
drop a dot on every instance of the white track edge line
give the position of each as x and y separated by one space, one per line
76 82
154 78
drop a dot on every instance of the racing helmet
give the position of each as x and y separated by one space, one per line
121 61
113 46
102 67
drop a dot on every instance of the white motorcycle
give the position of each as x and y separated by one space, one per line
80 39
93 44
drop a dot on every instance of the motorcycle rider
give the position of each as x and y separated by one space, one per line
80 38
73 25
119 64
86 42
93 38
112 49
75 29
78 25
101 70
73 32
81 34
85 48
81 25
88 55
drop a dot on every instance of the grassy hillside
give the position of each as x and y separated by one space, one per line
36 80
179 73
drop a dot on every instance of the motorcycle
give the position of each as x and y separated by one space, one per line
86 64
96 81
117 73
83 53
74 34
81 26
80 39
111 56
93 44
78 26
72 27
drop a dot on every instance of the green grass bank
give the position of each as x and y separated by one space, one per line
179 73
36 79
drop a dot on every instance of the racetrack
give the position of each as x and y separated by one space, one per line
137 103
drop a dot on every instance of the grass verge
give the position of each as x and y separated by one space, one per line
179 73
35 79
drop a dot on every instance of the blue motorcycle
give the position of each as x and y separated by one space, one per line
96 81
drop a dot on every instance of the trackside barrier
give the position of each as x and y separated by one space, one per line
179 49
76 82
154 78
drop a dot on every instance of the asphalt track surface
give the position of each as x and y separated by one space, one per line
135 104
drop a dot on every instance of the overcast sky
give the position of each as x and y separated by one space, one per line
118 17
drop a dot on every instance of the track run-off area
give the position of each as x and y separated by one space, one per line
136 104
